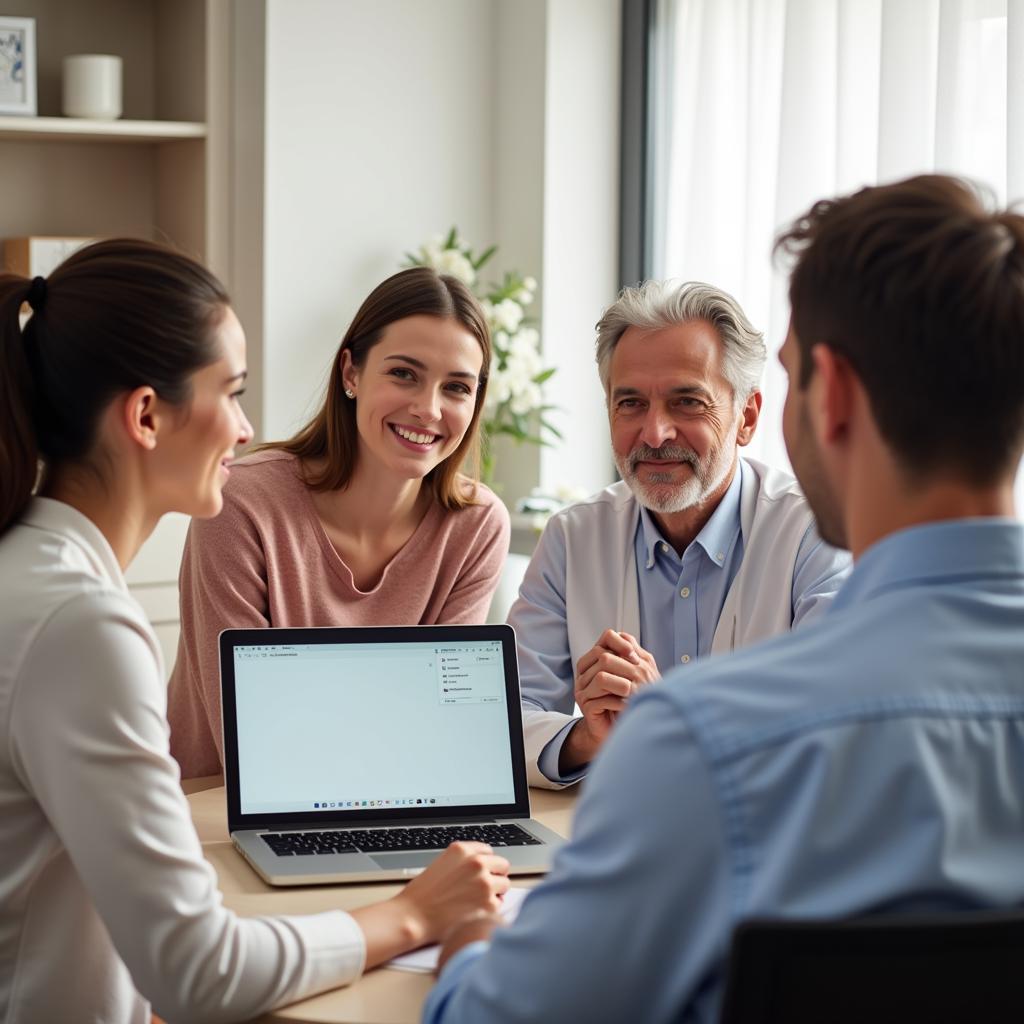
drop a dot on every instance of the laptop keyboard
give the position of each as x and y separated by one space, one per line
393 840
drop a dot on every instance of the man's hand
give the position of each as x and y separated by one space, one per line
476 927
606 677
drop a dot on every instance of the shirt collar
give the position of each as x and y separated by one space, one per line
60 518
949 550
717 535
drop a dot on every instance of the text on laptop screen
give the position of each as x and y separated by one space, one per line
354 726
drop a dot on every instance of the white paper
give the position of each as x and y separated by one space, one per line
425 960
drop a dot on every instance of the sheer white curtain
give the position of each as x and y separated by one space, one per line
763 106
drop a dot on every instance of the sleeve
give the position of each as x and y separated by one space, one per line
546 672
635 915
471 595
91 746
223 583
818 573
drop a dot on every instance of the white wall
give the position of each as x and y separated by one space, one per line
378 133
520 48
581 238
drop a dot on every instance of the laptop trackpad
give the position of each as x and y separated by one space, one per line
405 860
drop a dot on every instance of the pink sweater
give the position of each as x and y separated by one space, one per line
266 561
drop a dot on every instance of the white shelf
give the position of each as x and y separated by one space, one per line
72 129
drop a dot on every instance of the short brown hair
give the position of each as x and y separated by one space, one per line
921 288
332 434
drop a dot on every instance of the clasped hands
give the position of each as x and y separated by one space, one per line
606 677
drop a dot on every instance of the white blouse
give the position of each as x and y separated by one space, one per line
106 902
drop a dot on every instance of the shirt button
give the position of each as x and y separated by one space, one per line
664 548
720 556
685 592
685 658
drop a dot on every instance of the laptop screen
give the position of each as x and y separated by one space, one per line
372 725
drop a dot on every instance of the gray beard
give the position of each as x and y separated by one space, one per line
658 493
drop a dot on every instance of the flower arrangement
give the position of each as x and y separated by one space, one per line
515 393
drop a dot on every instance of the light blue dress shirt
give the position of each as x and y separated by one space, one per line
872 763
681 600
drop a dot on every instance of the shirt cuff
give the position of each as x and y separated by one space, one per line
451 977
547 763
334 947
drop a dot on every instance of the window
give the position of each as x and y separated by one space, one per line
756 108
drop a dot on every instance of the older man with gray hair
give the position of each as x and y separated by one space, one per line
695 551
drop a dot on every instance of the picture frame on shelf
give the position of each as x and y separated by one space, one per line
17 66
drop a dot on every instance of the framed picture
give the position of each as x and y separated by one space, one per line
17 65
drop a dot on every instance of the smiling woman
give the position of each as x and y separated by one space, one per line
365 516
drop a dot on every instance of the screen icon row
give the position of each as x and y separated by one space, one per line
321 805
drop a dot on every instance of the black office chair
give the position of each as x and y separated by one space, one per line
949 969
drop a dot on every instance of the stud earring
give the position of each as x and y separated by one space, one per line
349 393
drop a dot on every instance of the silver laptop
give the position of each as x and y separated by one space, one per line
359 754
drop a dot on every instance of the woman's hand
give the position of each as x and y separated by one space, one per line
465 879
468 878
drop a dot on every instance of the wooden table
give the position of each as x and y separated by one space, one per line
382 996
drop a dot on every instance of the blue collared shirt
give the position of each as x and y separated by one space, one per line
873 763
681 598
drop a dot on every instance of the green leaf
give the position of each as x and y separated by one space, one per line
553 429
449 242
484 257
545 375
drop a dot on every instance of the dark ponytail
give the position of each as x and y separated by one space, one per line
112 317
19 453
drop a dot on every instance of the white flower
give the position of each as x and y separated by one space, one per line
491 403
526 339
524 365
518 377
530 283
524 296
527 400
499 340
499 391
508 315
453 263
523 358
432 253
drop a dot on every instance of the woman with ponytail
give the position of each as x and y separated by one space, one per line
119 403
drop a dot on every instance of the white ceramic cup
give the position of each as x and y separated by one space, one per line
92 86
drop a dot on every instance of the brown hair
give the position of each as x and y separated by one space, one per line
921 288
332 433
114 316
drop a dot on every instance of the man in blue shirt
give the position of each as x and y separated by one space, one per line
873 762
696 551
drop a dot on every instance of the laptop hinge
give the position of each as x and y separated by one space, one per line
308 826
